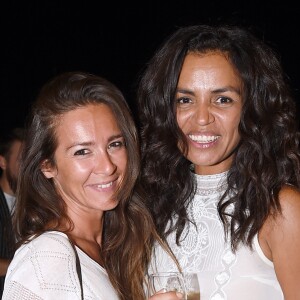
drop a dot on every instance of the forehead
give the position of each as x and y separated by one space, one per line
92 119
99 112
215 62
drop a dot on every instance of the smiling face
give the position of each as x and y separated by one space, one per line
209 105
90 160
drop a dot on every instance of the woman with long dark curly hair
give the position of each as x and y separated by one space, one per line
221 162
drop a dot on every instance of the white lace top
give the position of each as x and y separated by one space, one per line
45 268
246 275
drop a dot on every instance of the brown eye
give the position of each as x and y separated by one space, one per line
223 100
81 152
183 100
116 144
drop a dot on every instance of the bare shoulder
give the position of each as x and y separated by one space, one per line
289 191
280 237
281 227
288 222
289 219
289 198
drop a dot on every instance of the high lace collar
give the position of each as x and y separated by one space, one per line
211 184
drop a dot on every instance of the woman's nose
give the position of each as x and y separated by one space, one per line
203 114
104 164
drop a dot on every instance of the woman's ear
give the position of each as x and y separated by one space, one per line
48 170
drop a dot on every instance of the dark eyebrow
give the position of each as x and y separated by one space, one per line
227 89
216 91
183 91
116 136
86 144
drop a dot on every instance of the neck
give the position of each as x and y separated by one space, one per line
88 240
87 225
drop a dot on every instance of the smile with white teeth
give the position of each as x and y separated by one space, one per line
104 186
203 138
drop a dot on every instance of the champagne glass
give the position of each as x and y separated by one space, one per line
192 287
167 282
185 283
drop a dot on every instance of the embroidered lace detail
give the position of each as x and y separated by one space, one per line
222 278
211 184
202 247
222 274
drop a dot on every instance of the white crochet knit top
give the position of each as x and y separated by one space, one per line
45 269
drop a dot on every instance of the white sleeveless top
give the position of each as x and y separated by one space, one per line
45 269
245 275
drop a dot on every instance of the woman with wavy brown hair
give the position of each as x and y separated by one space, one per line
82 228
221 162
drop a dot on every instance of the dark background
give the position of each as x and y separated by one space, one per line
40 39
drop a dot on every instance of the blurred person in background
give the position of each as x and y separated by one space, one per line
11 143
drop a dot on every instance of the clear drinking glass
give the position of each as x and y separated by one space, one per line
192 287
186 283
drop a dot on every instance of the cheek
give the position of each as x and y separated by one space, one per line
83 166
230 122
121 161
234 123
182 119
232 131
74 171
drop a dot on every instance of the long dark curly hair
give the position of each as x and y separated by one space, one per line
268 155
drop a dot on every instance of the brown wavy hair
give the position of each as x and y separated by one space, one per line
128 229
